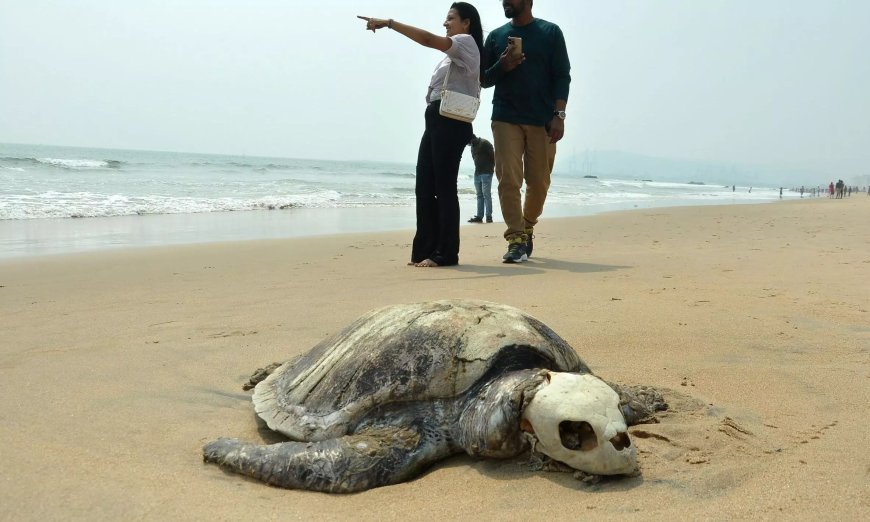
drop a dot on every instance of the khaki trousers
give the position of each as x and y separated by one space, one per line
522 153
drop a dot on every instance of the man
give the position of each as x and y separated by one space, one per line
484 165
528 116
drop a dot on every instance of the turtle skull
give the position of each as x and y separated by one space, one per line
576 420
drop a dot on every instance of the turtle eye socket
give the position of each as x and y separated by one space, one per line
577 435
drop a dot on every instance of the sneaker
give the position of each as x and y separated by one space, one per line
489 219
514 240
530 235
516 253
476 219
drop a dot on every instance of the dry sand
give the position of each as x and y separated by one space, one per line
116 367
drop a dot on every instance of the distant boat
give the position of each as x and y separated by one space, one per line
696 183
588 168
646 180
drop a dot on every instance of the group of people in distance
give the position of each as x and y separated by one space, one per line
528 113
839 190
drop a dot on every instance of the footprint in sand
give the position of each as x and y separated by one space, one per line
235 333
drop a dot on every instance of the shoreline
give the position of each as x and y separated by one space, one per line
117 366
48 236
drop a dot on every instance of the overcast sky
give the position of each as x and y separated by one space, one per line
769 82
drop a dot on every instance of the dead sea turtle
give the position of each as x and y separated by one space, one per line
408 385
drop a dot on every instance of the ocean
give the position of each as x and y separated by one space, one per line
65 199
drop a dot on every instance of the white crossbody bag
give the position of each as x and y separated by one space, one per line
456 105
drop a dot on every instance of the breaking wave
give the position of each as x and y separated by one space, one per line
63 163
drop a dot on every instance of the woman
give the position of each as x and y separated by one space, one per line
436 242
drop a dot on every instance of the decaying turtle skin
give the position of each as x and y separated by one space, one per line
401 388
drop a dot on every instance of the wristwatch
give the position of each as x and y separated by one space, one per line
560 114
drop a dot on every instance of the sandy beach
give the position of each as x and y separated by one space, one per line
117 366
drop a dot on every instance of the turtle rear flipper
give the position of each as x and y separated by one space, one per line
368 459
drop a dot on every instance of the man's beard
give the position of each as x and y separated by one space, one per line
509 11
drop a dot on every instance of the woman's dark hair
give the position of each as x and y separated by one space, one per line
469 12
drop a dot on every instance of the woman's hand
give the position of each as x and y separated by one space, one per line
373 24
425 38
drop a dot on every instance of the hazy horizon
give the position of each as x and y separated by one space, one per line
778 87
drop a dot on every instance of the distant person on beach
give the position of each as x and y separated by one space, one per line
831 190
780 192
436 242
733 188
483 155
526 60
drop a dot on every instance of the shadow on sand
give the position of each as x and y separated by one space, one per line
537 265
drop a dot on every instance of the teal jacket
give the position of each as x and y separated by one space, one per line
527 95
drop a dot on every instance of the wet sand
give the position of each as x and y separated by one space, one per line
117 366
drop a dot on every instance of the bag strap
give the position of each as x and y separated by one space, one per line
446 76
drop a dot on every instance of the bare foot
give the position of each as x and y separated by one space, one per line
427 263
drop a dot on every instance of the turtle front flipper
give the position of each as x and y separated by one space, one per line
260 375
368 459
639 403
491 421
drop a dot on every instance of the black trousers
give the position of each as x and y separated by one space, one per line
441 147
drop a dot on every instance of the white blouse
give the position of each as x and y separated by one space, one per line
465 74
